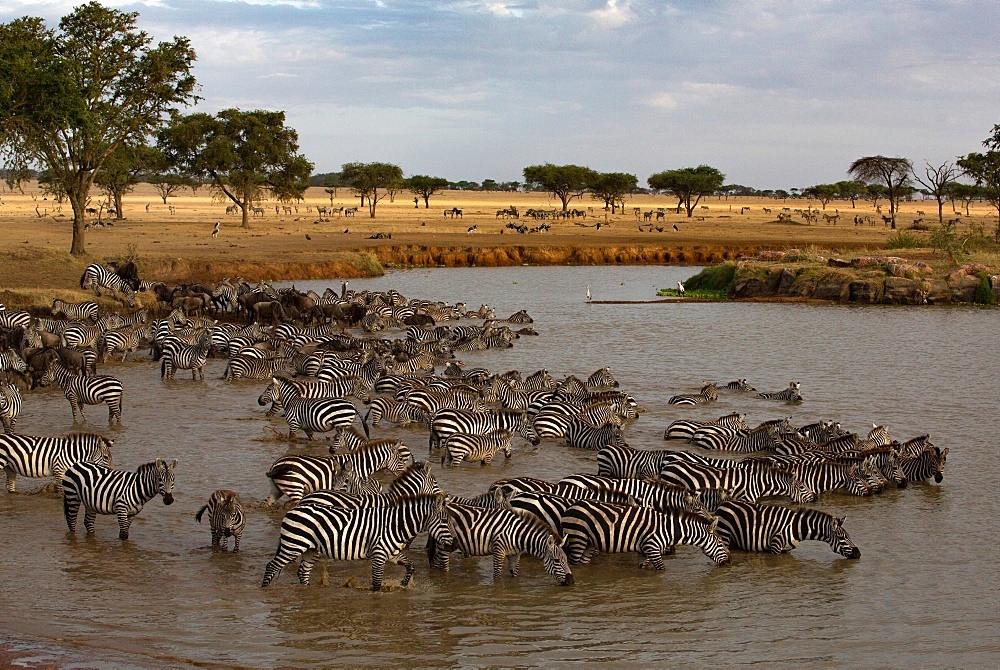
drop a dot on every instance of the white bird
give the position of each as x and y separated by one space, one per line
343 289
680 288
215 231
588 292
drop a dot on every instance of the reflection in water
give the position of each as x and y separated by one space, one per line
920 593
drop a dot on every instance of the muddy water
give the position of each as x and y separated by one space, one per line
925 590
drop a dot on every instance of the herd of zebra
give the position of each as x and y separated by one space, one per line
645 501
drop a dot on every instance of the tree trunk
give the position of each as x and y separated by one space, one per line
245 208
940 211
118 207
427 202
78 200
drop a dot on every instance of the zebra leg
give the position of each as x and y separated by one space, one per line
653 557
514 563
89 517
12 478
71 508
499 558
309 559
124 521
216 537
780 543
236 547
378 568
404 560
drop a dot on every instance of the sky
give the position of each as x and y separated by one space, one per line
774 93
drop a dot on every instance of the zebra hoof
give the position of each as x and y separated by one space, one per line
122 536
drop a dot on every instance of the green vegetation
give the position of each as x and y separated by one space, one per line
717 280
902 239
985 295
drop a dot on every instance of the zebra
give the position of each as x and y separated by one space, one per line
739 385
761 438
225 517
253 366
460 447
99 277
380 534
312 415
430 401
520 317
829 476
82 335
582 435
929 463
448 421
180 356
602 379
416 479
11 360
12 320
752 527
708 393
684 429
661 496
505 536
554 420
84 311
336 388
749 482
10 406
124 340
102 490
591 526
31 456
789 395
295 476
82 391
549 507
624 462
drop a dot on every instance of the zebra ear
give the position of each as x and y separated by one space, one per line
159 463
173 464
840 520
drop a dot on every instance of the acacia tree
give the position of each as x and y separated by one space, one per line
243 155
850 189
985 169
425 186
71 97
937 181
563 181
893 173
688 184
123 170
822 192
367 178
611 187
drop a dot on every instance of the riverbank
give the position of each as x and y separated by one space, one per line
174 242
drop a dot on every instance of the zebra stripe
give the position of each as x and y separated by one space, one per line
739 385
246 365
684 429
460 447
446 422
504 535
602 379
416 479
582 435
929 463
312 415
124 340
549 507
380 534
592 527
12 320
751 527
789 395
10 406
708 393
82 391
225 517
102 490
749 482
11 360
661 496
85 311
177 355
31 456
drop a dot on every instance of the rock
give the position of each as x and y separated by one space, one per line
838 263
902 291
938 292
753 287
832 288
785 281
963 287
864 291
902 270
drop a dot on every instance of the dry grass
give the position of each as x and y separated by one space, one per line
179 246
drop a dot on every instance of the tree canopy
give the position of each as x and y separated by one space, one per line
985 169
893 173
243 154
688 184
563 181
611 187
71 97
368 178
425 186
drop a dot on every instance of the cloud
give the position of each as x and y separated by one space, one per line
614 14
663 101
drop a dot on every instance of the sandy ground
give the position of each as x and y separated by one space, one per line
173 241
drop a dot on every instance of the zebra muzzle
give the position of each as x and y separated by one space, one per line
168 498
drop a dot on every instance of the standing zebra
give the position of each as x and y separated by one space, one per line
180 356
31 456
401 413
84 311
102 490
751 527
448 421
312 415
460 447
225 516
602 379
708 393
98 277
582 435
380 534
747 482
82 391
10 406
504 535
684 429
590 526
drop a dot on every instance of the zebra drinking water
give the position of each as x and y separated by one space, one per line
31 456
460 447
312 415
102 490
752 527
225 517
789 395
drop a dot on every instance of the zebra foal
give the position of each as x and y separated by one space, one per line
225 517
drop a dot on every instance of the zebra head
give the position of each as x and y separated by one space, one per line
270 394
895 470
555 561
941 455
527 431
799 491
709 541
165 480
859 482
840 541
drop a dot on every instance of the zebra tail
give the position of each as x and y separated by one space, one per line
364 423
163 367
197 516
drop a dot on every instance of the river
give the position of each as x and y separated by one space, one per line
925 592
